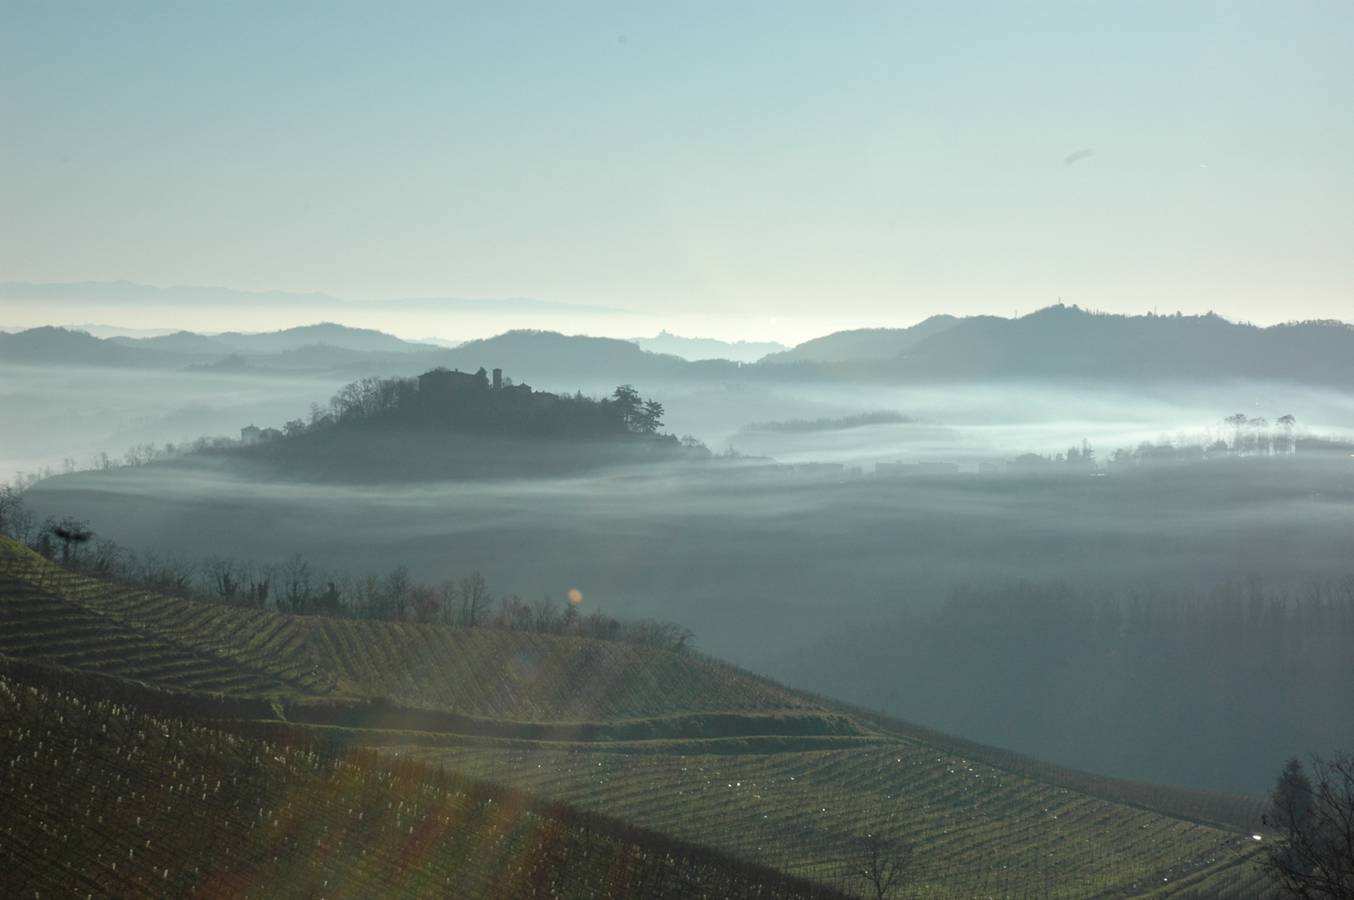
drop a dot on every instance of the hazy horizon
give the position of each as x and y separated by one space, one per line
463 318
969 513
791 164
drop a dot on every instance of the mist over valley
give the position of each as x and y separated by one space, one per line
677 451
834 512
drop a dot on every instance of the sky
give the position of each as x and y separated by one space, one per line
784 167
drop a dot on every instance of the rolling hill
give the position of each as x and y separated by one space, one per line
329 334
1061 342
1058 342
323 346
330 348
860 344
60 346
695 348
548 354
675 743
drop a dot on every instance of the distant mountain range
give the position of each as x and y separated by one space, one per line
331 348
1057 343
325 346
1066 342
326 333
695 349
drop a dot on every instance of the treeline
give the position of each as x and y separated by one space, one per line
1197 450
1237 436
297 587
139 455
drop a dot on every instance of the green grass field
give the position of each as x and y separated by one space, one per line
683 746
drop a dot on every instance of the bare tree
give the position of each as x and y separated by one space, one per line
258 584
223 577
475 600
881 862
1262 439
109 559
165 574
1286 422
1237 421
297 586
398 585
1314 853
425 603
546 616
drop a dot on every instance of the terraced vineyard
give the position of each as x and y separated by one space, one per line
978 831
476 672
37 625
102 800
676 743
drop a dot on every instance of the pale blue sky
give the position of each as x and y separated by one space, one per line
867 162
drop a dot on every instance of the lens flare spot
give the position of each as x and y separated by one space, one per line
575 596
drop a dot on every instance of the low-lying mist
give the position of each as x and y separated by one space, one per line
784 569
825 575
53 414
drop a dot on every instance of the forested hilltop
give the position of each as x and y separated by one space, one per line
451 424
473 403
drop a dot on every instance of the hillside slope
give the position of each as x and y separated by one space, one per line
1064 342
1069 342
859 344
102 799
55 615
673 742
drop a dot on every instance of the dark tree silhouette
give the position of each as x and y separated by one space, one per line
223 577
651 417
474 601
296 584
72 533
881 863
1237 421
1286 422
258 584
1314 853
628 404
